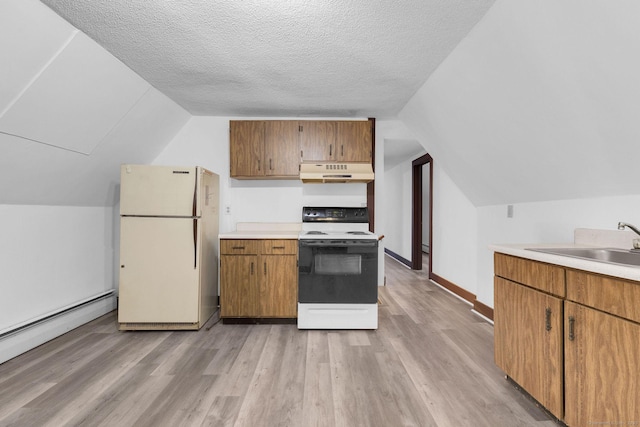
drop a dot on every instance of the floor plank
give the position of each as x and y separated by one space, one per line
430 363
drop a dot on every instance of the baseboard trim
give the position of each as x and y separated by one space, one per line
483 309
462 293
397 257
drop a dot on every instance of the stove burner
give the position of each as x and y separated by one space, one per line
316 232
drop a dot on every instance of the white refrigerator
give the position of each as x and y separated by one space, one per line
168 247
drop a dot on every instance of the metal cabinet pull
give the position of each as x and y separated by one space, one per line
330 149
572 321
548 319
277 247
342 150
259 165
252 268
270 165
265 268
241 248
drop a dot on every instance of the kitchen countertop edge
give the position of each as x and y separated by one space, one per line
254 234
521 250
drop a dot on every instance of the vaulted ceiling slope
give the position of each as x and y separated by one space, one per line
328 58
70 112
539 102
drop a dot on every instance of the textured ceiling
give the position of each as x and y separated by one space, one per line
313 58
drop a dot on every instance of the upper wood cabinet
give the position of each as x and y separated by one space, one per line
246 148
274 149
317 140
336 141
353 141
264 149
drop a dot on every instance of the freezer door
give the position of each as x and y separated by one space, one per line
159 190
159 270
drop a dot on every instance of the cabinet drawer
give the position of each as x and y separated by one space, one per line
609 294
280 246
545 277
238 247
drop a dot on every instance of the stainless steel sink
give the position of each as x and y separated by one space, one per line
608 255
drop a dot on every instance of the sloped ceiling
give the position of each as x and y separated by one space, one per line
327 58
70 112
539 102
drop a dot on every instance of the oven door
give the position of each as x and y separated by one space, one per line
338 271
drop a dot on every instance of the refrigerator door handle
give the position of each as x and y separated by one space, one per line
195 243
194 208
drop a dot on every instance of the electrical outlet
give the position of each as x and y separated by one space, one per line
227 210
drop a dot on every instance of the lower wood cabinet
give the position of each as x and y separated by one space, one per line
578 356
528 341
258 278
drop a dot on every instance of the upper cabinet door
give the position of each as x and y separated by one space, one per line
246 148
317 141
158 190
353 141
281 148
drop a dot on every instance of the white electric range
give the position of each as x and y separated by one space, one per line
337 269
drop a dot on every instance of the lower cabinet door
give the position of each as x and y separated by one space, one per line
528 334
602 368
239 286
278 286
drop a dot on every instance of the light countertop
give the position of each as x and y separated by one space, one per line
264 230
260 234
520 250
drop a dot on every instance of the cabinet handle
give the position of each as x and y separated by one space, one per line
548 319
277 247
572 321
259 165
270 165
241 248
301 154
342 150
252 268
265 268
330 149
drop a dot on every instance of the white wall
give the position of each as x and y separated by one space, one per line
398 207
52 257
545 222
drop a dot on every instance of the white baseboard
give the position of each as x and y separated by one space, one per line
14 344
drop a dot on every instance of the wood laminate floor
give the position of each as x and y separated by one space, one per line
430 363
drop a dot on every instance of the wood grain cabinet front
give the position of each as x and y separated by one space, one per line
336 141
259 278
602 350
528 335
262 149
578 355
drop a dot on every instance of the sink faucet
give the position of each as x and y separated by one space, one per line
636 242
622 225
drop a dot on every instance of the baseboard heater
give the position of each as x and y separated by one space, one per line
64 310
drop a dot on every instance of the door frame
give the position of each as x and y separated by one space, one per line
416 220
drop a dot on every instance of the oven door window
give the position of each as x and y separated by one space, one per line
332 264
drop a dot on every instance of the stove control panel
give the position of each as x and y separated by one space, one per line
330 214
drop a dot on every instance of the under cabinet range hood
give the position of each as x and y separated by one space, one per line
336 172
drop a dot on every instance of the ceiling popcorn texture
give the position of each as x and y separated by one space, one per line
296 58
